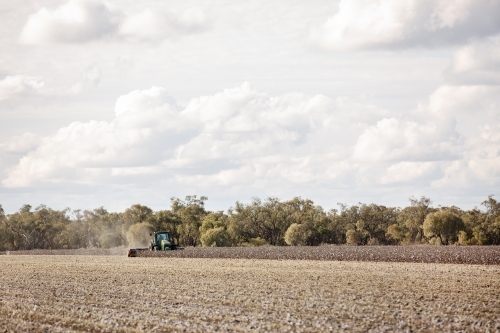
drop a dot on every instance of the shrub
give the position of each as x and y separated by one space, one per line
257 242
296 235
463 238
352 237
213 232
215 237
394 233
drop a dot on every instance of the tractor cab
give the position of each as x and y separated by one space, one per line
161 241
161 236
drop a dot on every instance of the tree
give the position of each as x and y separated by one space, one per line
22 226
443 225
296 235
376 219
312 219
411 219
191 212
268 220
135 214
336 228
73 236
352 237
492 221
51 223
213 231
483 227
492 208
462 238
394 233
36 229
6 238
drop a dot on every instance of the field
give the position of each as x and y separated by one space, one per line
483 255
50 293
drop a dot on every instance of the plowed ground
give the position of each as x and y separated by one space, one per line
120 294
483 255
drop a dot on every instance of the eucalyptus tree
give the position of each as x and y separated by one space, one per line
191 212
444 225
411 219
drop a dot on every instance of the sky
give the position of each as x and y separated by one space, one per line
113 103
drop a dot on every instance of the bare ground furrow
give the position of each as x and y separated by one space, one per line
119 294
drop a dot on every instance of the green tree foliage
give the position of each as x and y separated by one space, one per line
74 235
272 221
213 231
5 236
444 225
257 241
347 218
296 234
463 238
135 214
36 229
411 220
352 237
376 219
370 222
191 212
313 220
268 220
336 227
394 234
483 228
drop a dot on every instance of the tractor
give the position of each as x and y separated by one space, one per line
161 242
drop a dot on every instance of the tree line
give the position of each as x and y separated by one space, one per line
272 221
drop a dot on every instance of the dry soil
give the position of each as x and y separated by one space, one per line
120 294
483 255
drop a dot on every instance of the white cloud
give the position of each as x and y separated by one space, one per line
476 63
483 155
235 129
407 171
16 85
91 76
75 22
450 141
150 24
463 99
21 143
242 138
456 174
140 100
72 154
80 21
372 24
396 139
20 86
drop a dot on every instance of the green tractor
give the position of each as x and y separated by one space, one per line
161 241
